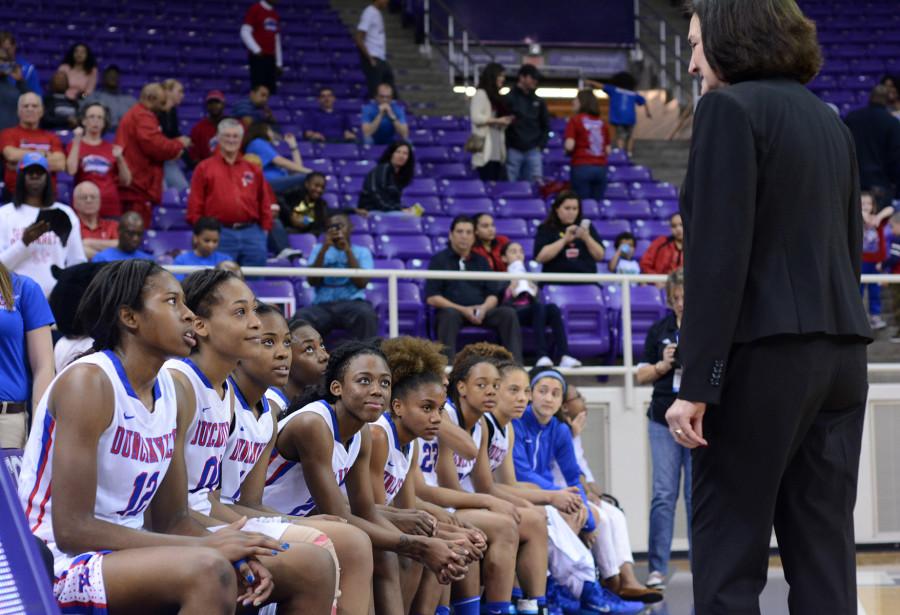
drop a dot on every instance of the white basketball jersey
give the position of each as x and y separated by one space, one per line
396 467
133 455
278 402
206 438
246 443
498 441
428 456
464 466
286 489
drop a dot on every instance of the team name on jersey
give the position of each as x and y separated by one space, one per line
392 484
210 435
496 454
246 451
133 445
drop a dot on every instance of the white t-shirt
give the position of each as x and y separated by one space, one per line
36 259
67 349
372 23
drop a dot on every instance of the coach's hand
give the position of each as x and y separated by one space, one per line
685 419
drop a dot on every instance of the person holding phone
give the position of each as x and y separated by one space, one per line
33 236
622 260
565 242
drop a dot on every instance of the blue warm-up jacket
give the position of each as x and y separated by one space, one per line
537 445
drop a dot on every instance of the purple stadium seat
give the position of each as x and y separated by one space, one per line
164 242
359 224
278 292
341 151
169 219
616 190
585 316
418 263
354 168
170 198
432 153
527 246
331 199
513 228
521 208
421 136
396 225
411 316
437 226
640 247
462 187
512 190
351 185
364 241
454 138
629 174
647 307
322 165
421 186
609 229
440 242
404 247
388 263
626 210
448 170
431 204
650 229
304 293
468 206
590 209
661 190
443 122
663 210
618 157
303 242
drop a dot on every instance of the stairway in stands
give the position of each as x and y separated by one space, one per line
422 82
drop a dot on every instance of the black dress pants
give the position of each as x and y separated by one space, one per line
784 446
502 318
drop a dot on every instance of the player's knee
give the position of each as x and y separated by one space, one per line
385 565
355 550
212 576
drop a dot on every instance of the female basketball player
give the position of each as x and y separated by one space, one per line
309 359
323 444
105 440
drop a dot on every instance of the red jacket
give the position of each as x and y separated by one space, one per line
146 149
663 256
493 257
233 193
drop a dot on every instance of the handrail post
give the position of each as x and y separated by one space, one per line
627 351
465 47
427 26
637 21
452 60
663 81
393 314
678 84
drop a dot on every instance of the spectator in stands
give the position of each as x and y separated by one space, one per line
146 150
228 187
90 158
622 102
340 303
877 136
587 141
261 35
204 244
254 108
203 134
529 131
71 284
26 358
874 247
97 234
80 66
458 302
304 210
892 266
524 297
108 95
19 140
372 44
60 111
12 86
384 119
131 236
892 83
384 184
666 254
327 124
28 246
283 174
661 368
27 70
565 242
623 259
490 117
168 122
488 244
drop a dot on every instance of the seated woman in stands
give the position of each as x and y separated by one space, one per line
384 184
488 243
566 242
283 174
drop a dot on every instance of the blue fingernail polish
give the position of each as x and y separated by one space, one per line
274 552
285 545
251 578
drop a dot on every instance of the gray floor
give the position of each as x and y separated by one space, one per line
679 597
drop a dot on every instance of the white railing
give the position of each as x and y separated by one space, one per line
627 370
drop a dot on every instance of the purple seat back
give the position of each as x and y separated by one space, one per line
462 187
162 242
437 226
585 316
404 247
650 229
165 219
468 206
431 204
626 210
660 190
388 263
397 225
277 292
663 210
609 229
513 228
422 186
616 191
521 208
629 174
590 209
512 190
341 151
303 242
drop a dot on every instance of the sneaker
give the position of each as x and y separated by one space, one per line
527 607
544 361
597 599
289 253
568 361
877 322
656 580
896 339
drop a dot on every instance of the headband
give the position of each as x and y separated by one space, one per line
550 374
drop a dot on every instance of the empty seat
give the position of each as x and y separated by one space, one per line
396 225
521 208
165 219
436 226
421 186
431 204
354 168
448 170
626 210
661 190
167 242
410 315
609 229
303 242
278 292
650 229
468 206
462 187
514 228
512 190
404 247
345 151
585 316
629 174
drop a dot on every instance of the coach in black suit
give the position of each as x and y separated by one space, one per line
773 342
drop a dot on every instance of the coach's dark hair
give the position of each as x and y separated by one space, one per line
335 370
200 289
757 40
118 284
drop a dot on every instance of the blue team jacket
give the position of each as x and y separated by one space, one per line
537 445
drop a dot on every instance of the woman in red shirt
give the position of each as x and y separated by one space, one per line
488 243
90 158
587 141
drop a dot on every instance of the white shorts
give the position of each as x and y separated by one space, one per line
79 590
273 527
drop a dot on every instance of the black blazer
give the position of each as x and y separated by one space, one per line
773 229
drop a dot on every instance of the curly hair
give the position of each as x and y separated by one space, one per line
486 350
413 361
470 356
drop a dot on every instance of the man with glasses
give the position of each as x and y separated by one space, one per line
340 302
97 234
384 120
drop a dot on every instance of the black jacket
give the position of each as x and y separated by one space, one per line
877 136
772 227
380 190
532 125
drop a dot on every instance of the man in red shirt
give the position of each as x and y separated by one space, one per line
260 34
227 187
17 141
146 150
97 233
203 134
666 254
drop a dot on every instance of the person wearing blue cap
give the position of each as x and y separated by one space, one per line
29 246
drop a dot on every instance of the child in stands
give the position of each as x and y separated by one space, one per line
205 244
623 258
874 252
892 265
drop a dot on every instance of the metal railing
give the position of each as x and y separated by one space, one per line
458 53
627 370
653 36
